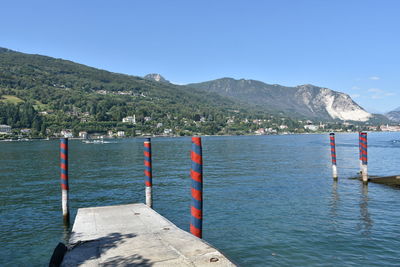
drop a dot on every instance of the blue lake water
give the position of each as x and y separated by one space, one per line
268 200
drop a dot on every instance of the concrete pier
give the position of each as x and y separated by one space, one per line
135 235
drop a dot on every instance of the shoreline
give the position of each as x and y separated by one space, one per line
176 136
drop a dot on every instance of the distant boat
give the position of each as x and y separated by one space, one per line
96 141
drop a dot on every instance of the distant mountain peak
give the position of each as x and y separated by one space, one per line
156 77
394 115
307 85
4 50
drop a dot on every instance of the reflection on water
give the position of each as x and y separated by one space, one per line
66 233
366 223
334 201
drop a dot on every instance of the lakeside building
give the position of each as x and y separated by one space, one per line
390 128
167 131
121 133
372 128
96 136
5 129
67 133
110 133
25 131
83 135
311 127
230 121
130 119
260 131
271 131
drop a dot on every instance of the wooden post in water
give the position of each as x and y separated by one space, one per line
364 157
196 173
148 172
333 155
64 179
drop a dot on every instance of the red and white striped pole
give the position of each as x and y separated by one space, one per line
360 151
148 172
364 157
333 155
64 179
196 173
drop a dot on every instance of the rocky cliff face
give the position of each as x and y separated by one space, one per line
307 101
156 77
327 102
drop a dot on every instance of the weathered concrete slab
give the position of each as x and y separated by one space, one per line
135 235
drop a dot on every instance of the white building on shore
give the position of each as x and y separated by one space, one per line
311 127
83 135
67 133
130 119
390 128
5 129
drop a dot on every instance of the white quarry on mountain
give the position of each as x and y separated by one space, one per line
157 77
340 106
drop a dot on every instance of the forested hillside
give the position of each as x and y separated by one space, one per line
49 95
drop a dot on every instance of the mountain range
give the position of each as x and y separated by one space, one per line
64 85
307 101
303 101
394 115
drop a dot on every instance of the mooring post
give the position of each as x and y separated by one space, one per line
364 157
64 179
148 172
360 151
333 155
196 173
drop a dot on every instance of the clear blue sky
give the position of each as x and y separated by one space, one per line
349 46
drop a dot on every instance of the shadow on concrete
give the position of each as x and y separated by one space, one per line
133 260
93 251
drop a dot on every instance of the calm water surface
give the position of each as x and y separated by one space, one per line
268 200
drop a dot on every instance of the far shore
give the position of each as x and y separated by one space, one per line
176 136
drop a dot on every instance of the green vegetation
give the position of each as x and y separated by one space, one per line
73 96
22 115
49 95
10 99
